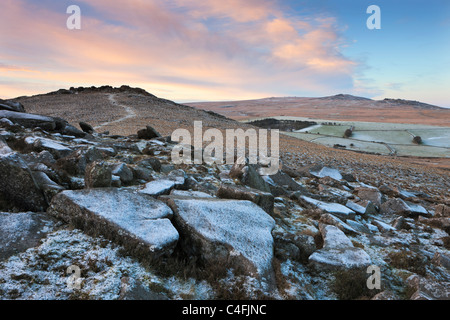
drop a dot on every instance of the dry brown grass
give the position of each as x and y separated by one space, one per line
352 284
408 260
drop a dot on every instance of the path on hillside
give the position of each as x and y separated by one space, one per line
129 110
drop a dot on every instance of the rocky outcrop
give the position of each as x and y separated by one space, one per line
248 174
426 289
138 222
328 172
226 231
29 120
263 199
38 144
292 229
97 175
335 208
398 206
18 184
338 252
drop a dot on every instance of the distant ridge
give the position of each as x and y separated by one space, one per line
345 107
342 96
411 103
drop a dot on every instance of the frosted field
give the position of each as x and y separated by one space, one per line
380 138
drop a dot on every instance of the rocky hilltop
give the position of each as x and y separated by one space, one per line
340 107
92 214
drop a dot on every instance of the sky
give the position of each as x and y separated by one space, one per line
210 50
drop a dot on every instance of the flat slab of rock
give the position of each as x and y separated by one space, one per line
263 199
221 231
29 120
21 231
338 252
158 187
328 172
398 206
138 222
328 218
335 208
355 207
280 183
190 194
338 259
57 149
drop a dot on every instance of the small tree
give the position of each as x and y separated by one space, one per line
417 140
348 133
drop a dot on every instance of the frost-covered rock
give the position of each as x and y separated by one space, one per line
121 170
263 199
328 218
48 186
76 162
399 206
190 194
338 252
383 226
158 187
360 227
20 231
370 208
179 177
57 149
328 172
221 231
248 174
394 206
427 289
355 207
138 222
97 175
370 194
416 209
106 274
4 148
281 183
335 208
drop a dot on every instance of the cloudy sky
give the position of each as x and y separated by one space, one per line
199 50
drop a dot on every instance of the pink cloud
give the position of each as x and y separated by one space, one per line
259 50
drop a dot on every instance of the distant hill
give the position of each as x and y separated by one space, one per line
342 107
